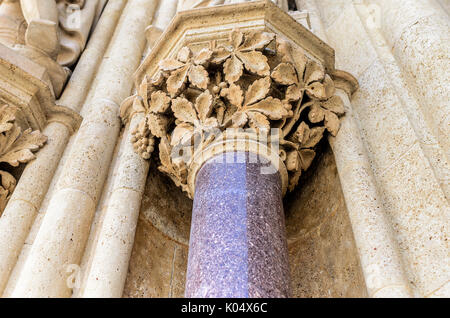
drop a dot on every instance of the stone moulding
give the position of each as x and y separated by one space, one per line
16 147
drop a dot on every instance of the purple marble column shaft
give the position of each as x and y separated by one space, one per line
237 243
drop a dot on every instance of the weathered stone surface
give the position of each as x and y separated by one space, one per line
322 253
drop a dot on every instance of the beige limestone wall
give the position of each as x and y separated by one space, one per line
323 256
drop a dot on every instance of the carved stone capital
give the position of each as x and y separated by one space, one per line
16 147
256 82
27 86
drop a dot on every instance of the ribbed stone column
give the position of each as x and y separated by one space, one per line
22 208
65 228
377 248
109 266
237 244
418 33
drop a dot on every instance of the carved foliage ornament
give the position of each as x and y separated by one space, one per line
16 147
254 81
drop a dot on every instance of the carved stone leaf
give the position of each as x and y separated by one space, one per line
293 93
21 149
315 135
334 104
220 55
210 123
164 153
8 138
285 74
7 115
203 56
301 134
138 106
332 123
228 113
233 69
181 133
256 40
159 102
8 181
271 107
184 55
143 92
313 72
158 124
292 161
239 119
316 113
258 90
329 86
255 62
300 60
176 80
292 55
204 105
316 90
306 157
184 110
234 95
157 79
7 185
198 76
170 65
258 120
236 38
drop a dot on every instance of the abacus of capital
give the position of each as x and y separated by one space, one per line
234 106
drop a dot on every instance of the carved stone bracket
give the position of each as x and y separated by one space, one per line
256 82
16 147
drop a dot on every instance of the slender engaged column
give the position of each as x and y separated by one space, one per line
377 248
418 33
237 245
109 266
21 210
65 228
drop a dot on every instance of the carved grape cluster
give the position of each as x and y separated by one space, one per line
142 139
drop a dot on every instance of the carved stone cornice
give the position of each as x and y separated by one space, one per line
16 147
255 82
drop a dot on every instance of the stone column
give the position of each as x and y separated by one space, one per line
65 227
237 245
109 265
164 14
418 34
21 211
377 248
